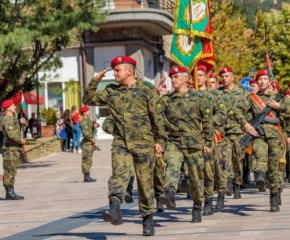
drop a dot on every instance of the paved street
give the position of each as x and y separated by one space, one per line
58 205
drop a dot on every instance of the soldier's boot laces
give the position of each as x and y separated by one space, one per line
128 197
159 206
274 207
208 208
10 194
168 198
279 200
87 178
220 204
260 180
196 213
237 193
148 229
113 215
229 189
21 197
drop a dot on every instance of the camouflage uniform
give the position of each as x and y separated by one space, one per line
184 114
11 149
139 125
234 132
87 126
211 161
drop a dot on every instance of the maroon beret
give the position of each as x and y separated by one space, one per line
252 81
200 67
275 85
7 103
84 109
212 75
225 70
122 59
175 70
286 93
261 73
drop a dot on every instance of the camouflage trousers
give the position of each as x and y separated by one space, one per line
87 158
11 159
143 160
268 152
238 155
212 171
173 157
224 150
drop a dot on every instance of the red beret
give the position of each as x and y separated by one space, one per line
212 75
288 85
189 83
175 70
84 109
7 103
122 59
286 93
164 85
225 70
275 85
221 82
261 73
200 67
252 81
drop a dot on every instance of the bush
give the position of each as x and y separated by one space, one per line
49 116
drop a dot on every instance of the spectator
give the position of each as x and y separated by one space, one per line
68 128
59 123
21 114
75 117
32 123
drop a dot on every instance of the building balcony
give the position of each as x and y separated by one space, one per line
152 16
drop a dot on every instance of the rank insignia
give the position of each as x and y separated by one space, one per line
176 69
207 111
159 106
222 105
231 112
119 59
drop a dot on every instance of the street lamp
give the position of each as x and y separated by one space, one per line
37 111
252 72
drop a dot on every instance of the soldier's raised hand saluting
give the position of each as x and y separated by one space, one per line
101 74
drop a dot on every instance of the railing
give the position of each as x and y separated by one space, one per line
167 5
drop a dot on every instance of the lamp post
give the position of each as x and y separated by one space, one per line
252 72
37 112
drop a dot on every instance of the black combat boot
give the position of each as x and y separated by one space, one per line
196 213
113 215
237 193
208 208
87 178
229 189
168 198
220 203
274 202
10 194
128 197
279 200
148 229
260 180
159 206
16 195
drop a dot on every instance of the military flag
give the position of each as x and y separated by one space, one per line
23 105
268 66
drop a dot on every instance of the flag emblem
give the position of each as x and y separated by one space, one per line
198 10
185 44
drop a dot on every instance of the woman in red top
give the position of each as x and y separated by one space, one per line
75 117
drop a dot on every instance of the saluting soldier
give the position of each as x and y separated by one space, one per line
11 148
134 107
185 110
269 148
212 167
233 93
88 143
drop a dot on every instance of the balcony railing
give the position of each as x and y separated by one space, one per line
167 5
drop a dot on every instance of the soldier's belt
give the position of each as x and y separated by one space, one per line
184 134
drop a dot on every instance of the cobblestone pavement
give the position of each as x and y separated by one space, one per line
59 205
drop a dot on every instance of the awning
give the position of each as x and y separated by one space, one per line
29 97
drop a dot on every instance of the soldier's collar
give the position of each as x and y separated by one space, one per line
182 94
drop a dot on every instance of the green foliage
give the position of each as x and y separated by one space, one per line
32 32
49 115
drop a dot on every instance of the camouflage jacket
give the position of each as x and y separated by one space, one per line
87 126
11 132
184 114
253 109
231 97
135 110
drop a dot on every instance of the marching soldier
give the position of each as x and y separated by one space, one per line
235 152
88 143
254 86
11 148
212 166
213 81
134 107
185 110
269 148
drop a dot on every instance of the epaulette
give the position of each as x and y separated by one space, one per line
112 85
215 92
242 87
198 93
148 84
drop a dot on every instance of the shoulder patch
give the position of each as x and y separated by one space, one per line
198 93
112 85
148 84
215 92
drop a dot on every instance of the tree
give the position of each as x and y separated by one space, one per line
32 32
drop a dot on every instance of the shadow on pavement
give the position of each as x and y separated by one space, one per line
99 236
34 165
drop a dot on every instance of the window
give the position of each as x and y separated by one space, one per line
54 96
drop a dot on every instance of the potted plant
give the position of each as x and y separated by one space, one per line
49 116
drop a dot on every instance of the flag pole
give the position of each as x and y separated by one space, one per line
195 77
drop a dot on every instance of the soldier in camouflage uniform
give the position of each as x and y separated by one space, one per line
269 149
212 168
11 148
185 110
88 143
134 107
235 151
